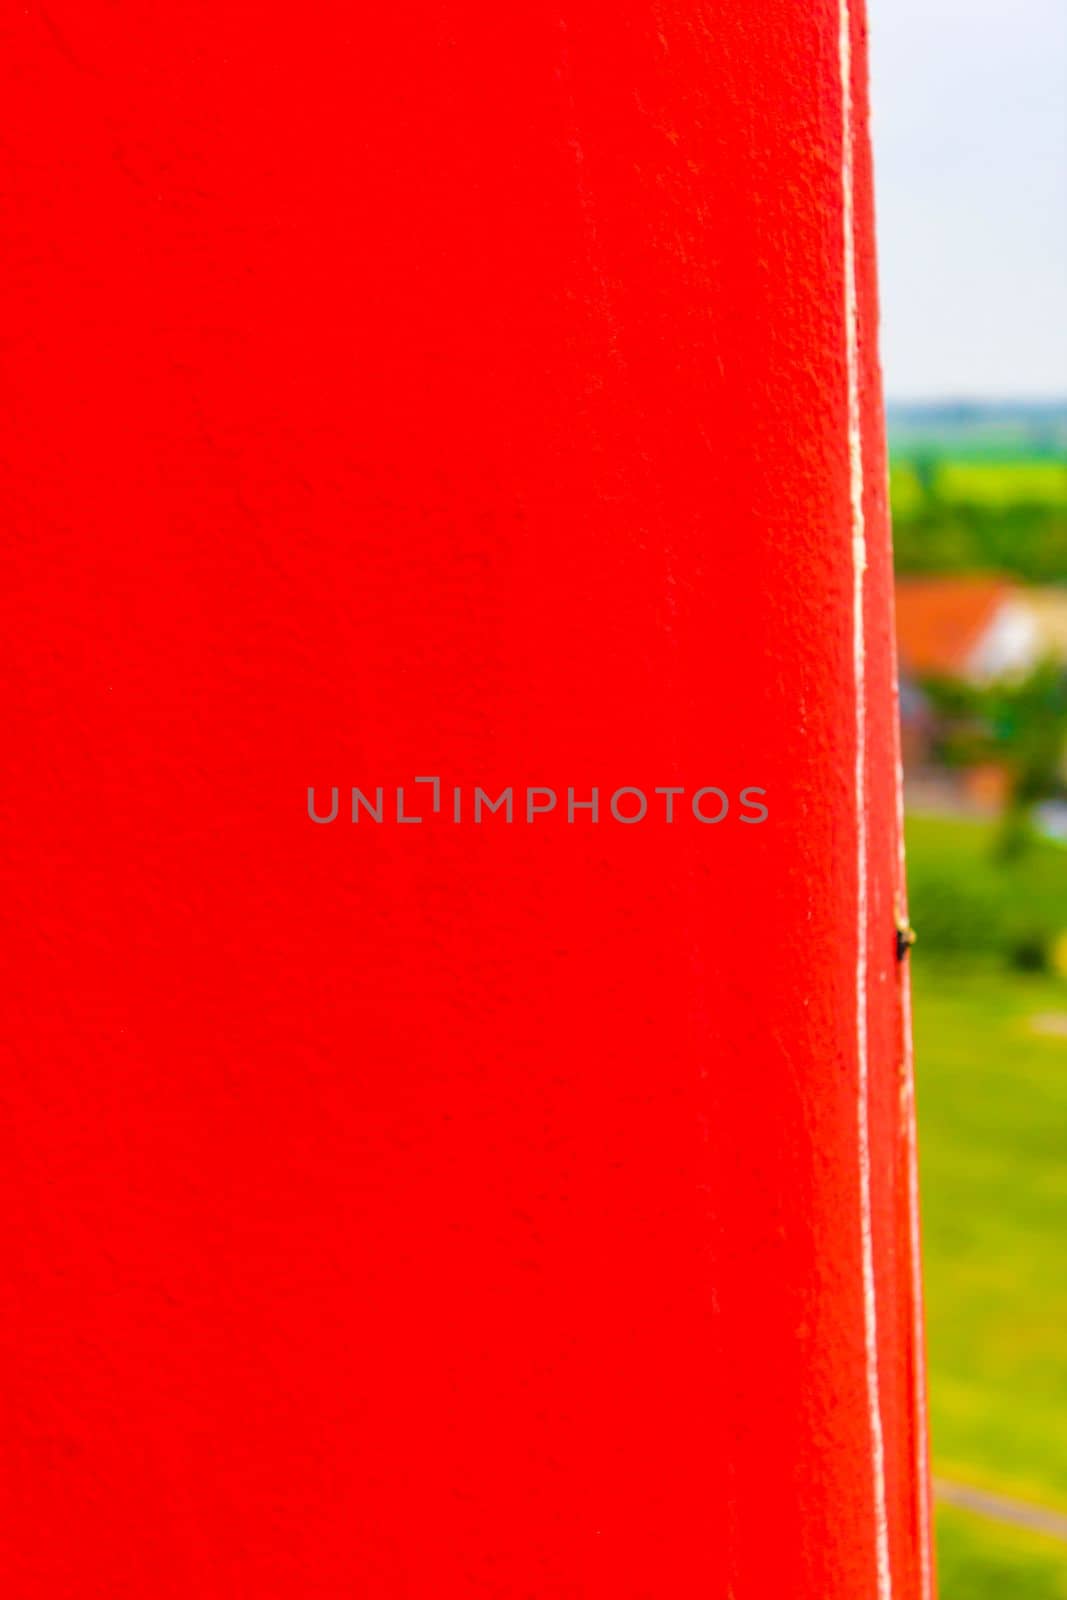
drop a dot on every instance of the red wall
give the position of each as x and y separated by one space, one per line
514 1210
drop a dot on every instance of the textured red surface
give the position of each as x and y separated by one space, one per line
444 1210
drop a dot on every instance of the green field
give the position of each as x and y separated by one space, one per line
992 1091
997 484
960 512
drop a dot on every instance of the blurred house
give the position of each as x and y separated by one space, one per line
1048 606
974 629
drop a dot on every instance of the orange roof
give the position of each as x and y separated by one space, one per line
941 620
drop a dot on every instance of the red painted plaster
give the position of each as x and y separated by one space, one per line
447 1209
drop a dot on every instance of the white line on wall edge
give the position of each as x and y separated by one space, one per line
920 1409
859 563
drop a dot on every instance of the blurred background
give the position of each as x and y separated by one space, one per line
970 129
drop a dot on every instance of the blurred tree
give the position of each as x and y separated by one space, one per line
1019 725
1028 719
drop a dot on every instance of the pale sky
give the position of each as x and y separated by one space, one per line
970 147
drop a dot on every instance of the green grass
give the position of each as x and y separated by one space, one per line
993 1109
968 907
992 1097
982 1560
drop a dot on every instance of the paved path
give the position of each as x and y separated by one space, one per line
1053 1524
